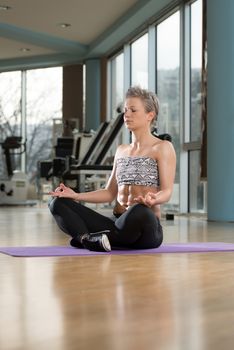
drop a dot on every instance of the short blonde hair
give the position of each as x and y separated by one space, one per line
149 99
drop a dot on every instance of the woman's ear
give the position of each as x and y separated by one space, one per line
151 116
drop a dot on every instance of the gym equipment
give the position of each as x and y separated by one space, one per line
164 136
13 190
94 165
67 151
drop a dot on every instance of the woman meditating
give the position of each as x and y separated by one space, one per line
141 180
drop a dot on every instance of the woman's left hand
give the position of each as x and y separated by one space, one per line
149 199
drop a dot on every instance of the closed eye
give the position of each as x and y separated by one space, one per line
133 110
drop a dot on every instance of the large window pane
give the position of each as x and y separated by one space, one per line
168 88
10 114
139 62
196 68
44 106
197 189
117 83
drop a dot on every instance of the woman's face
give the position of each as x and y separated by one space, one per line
135 116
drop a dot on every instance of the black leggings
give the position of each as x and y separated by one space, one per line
137 228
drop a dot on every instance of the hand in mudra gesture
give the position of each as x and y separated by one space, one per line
149 199
63 191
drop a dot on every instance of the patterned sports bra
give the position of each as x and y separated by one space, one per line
137 171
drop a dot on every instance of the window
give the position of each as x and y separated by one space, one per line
42 104
117 84
139 62
10 113
177 57
197 189
196 69
168 87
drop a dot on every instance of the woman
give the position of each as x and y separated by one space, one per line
142 179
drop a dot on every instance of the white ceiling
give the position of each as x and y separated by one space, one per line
33 24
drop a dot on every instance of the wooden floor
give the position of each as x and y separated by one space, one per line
162 301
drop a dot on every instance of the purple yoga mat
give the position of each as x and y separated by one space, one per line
198 247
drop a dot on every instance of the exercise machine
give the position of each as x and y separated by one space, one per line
13 189
96 164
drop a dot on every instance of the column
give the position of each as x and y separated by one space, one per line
220 100
93 94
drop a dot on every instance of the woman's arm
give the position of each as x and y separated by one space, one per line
167 168
106 195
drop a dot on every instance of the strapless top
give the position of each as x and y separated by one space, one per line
137 171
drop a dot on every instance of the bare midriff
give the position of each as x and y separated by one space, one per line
127 194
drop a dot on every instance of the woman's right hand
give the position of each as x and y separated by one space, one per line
63 191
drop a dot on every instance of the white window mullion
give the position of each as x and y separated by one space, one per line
23 116
152 58
127 82
127 67
185 105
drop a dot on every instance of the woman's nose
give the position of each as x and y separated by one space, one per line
127 111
